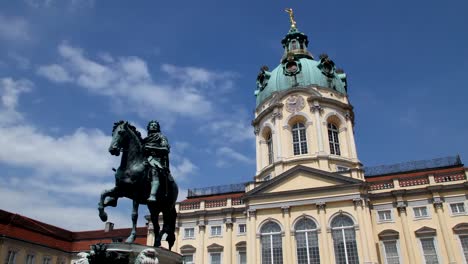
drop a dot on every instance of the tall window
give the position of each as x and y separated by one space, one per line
299 139
458 208
270 148
242 257
391 254
344 240
420 212
307 242
216 231
333 139
11 257
272 250
30 259
215 258
47 260
429 250
464 243
189 232
187 259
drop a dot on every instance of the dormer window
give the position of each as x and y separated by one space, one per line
293 45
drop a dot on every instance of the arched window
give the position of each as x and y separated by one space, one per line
307 242
344 240
299 139
333 139
269 141
272 250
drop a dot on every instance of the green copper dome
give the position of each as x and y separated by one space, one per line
299 69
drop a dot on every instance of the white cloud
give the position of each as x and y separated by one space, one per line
21 61
40 205
9 93
232 130
64 173
181 170
55 73
69 4
83 152
225 155
128 80
14 28
182 195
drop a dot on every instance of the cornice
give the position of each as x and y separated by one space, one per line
265 112
304 191
422 190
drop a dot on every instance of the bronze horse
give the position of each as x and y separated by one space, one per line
132 181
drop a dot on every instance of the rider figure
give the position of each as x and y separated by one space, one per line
156 149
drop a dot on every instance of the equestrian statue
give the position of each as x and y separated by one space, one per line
144 177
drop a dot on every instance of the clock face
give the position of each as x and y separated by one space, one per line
294 103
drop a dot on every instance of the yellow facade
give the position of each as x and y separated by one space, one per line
311 200
24 251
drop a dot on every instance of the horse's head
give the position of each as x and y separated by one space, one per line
118 137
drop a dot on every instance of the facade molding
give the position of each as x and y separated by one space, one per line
306 202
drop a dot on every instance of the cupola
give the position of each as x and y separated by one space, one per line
298 68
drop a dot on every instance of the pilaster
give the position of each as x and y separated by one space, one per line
439 208
317 109
401 206
358 203
288 246
252 246
324 250
201 245
228 253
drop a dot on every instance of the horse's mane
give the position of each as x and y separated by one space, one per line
133 128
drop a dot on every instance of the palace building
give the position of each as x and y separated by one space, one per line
311 200
27 241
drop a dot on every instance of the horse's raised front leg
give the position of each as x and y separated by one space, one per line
102 204
132 236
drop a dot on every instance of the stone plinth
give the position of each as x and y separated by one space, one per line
123 253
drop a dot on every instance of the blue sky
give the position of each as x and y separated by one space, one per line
70 68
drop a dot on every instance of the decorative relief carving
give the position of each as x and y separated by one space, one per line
358 202
401 205
316 108
252 212
438 203
348 115
276 115
295 103
285 210
256 130
321 206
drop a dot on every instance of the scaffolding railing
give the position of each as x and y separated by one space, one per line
413 166
213 190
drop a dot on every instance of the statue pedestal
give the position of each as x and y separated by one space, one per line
134 254
163 255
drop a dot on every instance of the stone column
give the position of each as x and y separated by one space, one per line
288 246
362 230
258 153
228 256
279 143
401 206
366 214
316 109
201 247
251 236
439 208
350 132
324 252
